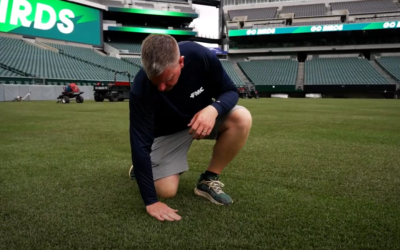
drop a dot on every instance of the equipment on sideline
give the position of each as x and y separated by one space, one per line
117 91
20 99
248 91
70 92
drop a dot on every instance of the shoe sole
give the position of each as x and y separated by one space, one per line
130 170
208 197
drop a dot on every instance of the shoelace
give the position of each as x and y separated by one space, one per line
216 186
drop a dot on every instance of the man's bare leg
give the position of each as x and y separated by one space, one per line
167 187
232 137
233 134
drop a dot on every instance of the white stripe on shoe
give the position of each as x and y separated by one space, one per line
207 196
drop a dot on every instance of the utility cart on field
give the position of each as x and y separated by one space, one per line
248 91
117 91
72 91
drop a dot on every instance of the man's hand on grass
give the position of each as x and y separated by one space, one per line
162 212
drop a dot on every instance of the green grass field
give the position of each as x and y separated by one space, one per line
314 174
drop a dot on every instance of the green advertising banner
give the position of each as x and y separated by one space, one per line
51 19
316 29
153 12
152 31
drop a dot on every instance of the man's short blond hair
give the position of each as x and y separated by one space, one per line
158 53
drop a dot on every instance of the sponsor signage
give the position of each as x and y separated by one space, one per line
51 19
315 28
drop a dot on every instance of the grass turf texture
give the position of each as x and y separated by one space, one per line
321 174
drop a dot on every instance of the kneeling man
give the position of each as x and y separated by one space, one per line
182 93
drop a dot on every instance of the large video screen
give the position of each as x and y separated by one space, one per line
52 19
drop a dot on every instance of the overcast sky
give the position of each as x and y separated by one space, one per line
207 22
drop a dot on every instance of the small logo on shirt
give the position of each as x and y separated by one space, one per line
197 92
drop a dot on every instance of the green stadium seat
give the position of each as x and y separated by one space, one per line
93 57
232 73
4 73
43 63
47 64
131 47
341 71
136 61
391 64
271 72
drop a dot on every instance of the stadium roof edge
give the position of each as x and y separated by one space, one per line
88 3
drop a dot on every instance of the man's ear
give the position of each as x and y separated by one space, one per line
181 61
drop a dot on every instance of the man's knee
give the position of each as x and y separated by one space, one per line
245 118
240 119
167 187
166 192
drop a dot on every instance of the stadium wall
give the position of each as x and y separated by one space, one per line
1 92
8 92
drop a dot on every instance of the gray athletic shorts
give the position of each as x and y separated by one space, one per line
169 153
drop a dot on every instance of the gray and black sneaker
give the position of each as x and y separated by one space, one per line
212 190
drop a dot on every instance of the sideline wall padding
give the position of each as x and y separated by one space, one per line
23 90
88 92
36 93
11 91
48 93
1 92
57 91
8 92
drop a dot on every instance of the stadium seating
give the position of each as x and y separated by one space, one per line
47 64
115 3
267 24
271 72
391 65
369 6
376 19
145 5
131 47
232 73
4 72
305 10
316 23
226 64
91 56
254 14
185 9
136 61
341 71
171 1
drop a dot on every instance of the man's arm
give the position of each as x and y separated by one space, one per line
141 139
225 90
141 118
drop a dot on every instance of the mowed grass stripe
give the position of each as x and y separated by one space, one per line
319 174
